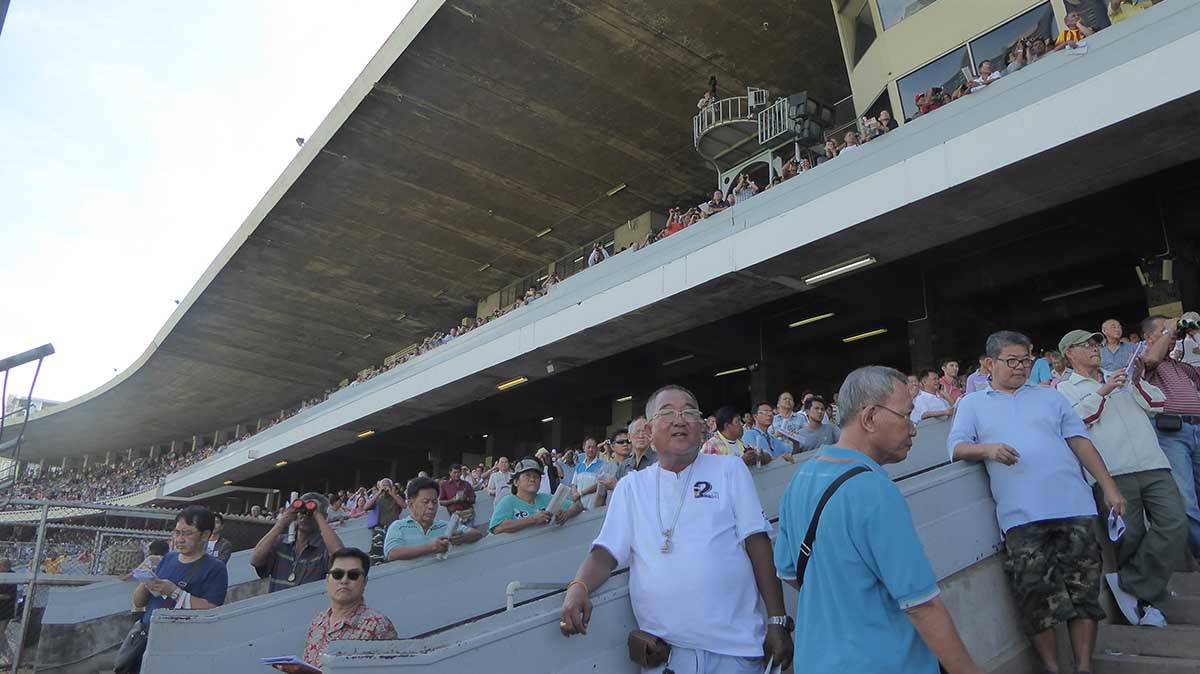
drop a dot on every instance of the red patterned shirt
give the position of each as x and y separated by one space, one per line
363 625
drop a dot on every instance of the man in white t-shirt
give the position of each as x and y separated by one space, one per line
928 404
680 524
499 482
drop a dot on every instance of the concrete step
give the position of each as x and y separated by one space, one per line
1182 610
1174 641
1185 584
1105 663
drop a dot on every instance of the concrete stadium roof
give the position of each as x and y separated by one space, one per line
477 125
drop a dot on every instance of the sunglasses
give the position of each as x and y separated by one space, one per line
300 504
353 574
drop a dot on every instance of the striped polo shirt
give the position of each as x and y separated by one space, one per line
1180 383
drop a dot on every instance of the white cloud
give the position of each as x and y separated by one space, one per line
141 139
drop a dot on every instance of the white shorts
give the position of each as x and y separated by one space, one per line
691 661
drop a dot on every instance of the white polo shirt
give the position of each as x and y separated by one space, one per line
702 594
927 402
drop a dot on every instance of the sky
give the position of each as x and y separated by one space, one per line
137 136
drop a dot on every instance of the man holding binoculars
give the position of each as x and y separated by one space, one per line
293 556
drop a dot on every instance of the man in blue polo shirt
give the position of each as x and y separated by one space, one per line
587 473
760 438
868 596
421 533
1032 444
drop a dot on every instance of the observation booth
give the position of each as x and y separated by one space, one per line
754 135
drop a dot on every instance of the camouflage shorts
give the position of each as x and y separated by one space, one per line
1054 569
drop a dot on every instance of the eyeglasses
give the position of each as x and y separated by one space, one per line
688 415
620 442
1015 363
1090 344
908 420
352 574
180 533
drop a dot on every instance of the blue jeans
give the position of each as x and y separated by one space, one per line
1182 448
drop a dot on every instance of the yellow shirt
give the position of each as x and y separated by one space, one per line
1126 10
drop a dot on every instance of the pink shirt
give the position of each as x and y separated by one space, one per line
953 391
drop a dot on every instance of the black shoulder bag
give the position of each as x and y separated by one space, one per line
806 546
129 656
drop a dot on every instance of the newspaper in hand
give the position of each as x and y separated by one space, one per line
451 530
556 501
295 664
1132 365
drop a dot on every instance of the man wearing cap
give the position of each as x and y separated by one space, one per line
1117 408
526 506
304 560
679 525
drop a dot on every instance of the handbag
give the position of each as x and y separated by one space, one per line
811 536
133 646
648 650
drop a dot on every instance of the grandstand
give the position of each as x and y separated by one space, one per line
366 320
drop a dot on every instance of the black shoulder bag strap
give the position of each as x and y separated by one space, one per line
806 546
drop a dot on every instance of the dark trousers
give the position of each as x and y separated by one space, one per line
1146 556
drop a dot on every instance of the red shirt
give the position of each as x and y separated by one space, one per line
1180 383
451 488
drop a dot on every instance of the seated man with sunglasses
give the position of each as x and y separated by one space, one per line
304 560
347 618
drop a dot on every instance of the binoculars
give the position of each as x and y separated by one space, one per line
305 506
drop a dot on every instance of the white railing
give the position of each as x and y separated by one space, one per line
736 109
773 122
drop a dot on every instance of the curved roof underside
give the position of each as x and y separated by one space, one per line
477 125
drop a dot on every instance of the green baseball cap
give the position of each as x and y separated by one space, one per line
1075 337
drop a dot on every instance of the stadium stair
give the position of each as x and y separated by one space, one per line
1127 649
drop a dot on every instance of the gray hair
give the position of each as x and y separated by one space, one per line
631 423
870 385
650 410
998 340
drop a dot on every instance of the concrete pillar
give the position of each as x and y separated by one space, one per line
218 437
129 454
920 344
259 427
64 463
175 446
759 388
108 457
237 431
154 452
85 461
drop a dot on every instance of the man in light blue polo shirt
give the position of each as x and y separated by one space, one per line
1033 444
421 533
587 473
868 597
759 437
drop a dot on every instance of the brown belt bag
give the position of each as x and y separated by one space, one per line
648 650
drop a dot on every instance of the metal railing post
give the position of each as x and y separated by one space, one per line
29 592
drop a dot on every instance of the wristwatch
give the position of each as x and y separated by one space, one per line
784 621
176 592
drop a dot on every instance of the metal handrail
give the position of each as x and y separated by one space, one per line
735 109
773 121
511 589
